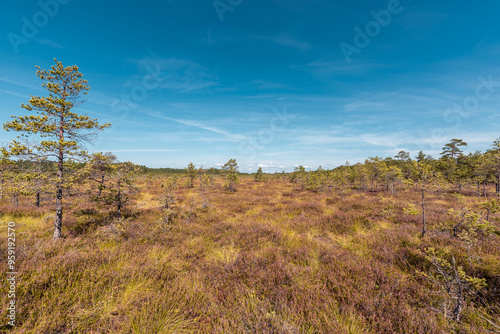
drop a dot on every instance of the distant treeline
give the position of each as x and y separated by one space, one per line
162 171
174 171
52 166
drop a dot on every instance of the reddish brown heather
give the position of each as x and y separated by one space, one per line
269 258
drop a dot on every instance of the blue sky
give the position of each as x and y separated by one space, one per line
265 82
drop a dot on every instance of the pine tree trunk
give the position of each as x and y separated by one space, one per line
101 185
59 211
1 187
423 210
119 208
497 188
59 192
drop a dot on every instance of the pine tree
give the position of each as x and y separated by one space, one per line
452 155
169 204
495 151
452 149
259 175
299 176
204 184
191 174
35 176
230 172
100 166
60 130
5 168
423 175
121 185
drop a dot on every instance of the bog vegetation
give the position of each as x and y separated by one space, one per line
401 244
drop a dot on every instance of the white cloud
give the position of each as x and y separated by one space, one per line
140 150
8 92
176 74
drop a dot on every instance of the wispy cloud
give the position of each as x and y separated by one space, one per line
291 42
394 140
8 92
285 40
327 66
281 39
49 43
109 117
196 124
421 21
141 150
177 74
20 77
268 85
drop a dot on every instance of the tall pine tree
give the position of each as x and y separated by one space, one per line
58 131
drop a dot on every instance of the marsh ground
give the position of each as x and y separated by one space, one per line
269 258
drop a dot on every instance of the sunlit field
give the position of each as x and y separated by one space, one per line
270 257
250 167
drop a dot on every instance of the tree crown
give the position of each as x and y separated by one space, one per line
61 131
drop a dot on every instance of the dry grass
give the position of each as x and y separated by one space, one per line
269 258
